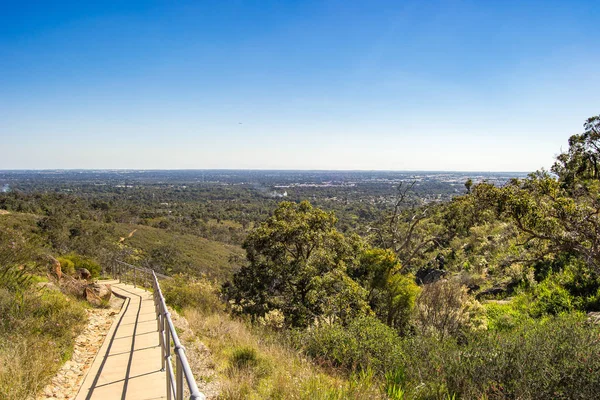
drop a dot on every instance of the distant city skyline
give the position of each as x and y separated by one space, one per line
314 85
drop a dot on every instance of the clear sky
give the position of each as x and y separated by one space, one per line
396 85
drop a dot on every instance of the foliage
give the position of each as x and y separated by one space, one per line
182 291
177 253
553 222
274 320
582 161
504 316
444 309
256 363
67 266
391 292
15 279
550 298
364 343
37 329
18 246
557 357
78 261
336 297
246 359
297 263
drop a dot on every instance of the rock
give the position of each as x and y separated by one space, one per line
593 317
473 287
47 285
490 292
83 273
426 276
57 268
97 294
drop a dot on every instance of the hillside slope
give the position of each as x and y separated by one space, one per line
158 248
180 252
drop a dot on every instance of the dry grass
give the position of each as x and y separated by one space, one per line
253 364
37 331
26 365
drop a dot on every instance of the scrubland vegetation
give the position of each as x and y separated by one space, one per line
490 295
37 324
482 297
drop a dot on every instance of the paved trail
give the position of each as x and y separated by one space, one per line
128 363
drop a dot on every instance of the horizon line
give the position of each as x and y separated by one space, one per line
248 169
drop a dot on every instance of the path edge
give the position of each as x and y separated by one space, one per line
103 347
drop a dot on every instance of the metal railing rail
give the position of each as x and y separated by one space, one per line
134 274
169 341
182 367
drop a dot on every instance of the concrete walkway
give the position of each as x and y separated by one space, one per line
128 363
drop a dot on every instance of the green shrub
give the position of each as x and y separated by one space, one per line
78 262
245 359
186 292
66 265
553 358
15 279
551 298
503 316
364 343
576 287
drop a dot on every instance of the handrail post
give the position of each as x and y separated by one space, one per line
179 383
167 358
161 321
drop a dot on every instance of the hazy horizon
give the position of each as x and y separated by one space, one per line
315 85
252 169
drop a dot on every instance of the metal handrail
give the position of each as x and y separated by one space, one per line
167 334
134 274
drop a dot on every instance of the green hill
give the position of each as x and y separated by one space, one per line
180 252
160 249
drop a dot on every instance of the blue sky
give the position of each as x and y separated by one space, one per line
395 85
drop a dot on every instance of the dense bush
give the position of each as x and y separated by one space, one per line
198 293
391 290
66 265
75 261
554 358
504 316
364 343
445 308
549 297
517 357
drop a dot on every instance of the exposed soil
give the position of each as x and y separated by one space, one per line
67 381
